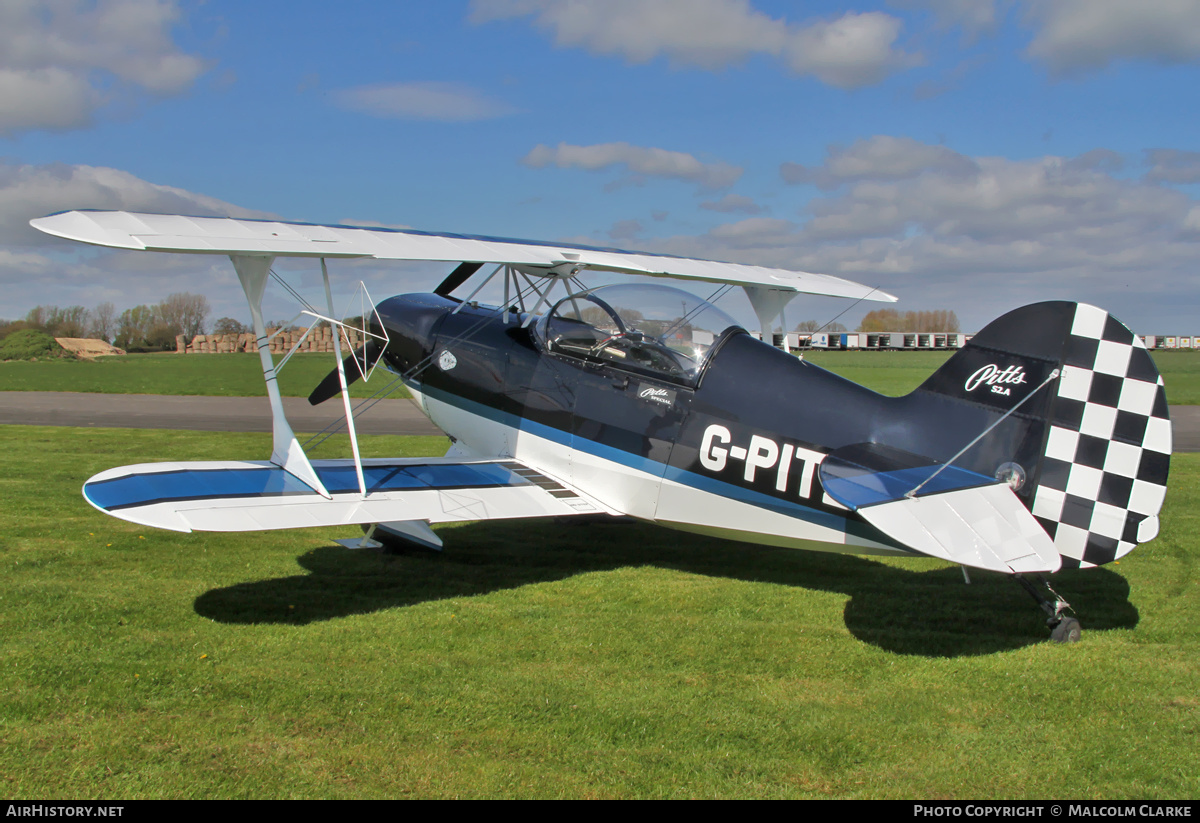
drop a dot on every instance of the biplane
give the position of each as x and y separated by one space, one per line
1042 444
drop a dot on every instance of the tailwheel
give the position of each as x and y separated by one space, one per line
1067 631
1063 629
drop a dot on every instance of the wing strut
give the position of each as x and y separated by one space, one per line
341 371
769 304
286 451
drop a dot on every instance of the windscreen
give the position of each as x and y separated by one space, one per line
645 327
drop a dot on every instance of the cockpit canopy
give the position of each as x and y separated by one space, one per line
648 328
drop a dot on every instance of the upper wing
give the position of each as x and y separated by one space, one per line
255 496
222 235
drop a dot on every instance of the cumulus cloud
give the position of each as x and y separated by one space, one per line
625 230
985 234
62 62
974 17
731 203
1173 166
850 51
1097 160
1077 35
1062 202
638 160
444 102
29 191
878 158
754 232
36 268
47 98
853 51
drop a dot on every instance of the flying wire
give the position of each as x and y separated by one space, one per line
843 311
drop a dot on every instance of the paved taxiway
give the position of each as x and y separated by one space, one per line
252 414
228 414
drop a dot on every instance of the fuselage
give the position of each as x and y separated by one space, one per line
723 453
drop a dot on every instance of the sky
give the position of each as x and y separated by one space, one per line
971 155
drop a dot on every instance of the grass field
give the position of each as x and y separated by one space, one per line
898 372
239 375
540 660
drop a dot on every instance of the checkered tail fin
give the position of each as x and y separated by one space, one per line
1108 446
1093 444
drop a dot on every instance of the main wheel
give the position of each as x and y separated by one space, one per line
1068 630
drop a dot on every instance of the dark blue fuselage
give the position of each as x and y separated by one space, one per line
753 426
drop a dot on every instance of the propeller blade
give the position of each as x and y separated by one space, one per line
331 385
456 278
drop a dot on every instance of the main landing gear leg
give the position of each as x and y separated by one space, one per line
1063 629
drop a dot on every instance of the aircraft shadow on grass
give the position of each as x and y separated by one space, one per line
928 613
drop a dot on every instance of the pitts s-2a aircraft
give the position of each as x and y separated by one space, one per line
1043 444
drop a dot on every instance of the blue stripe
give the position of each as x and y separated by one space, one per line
139 489
215 484
763 501
871 488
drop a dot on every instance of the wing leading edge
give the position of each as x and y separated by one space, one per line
225 235
256 496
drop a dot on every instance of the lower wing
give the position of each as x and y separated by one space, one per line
255 496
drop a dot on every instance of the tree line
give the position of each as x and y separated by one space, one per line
938 320
141 328
154 328
886 320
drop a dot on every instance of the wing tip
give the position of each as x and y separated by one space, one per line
83 227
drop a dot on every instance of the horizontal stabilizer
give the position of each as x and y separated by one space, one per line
985 527
867 474
255 496
957 515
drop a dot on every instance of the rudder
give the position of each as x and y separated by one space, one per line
1108 450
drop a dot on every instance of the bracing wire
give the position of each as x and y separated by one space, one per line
365 405
843 311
